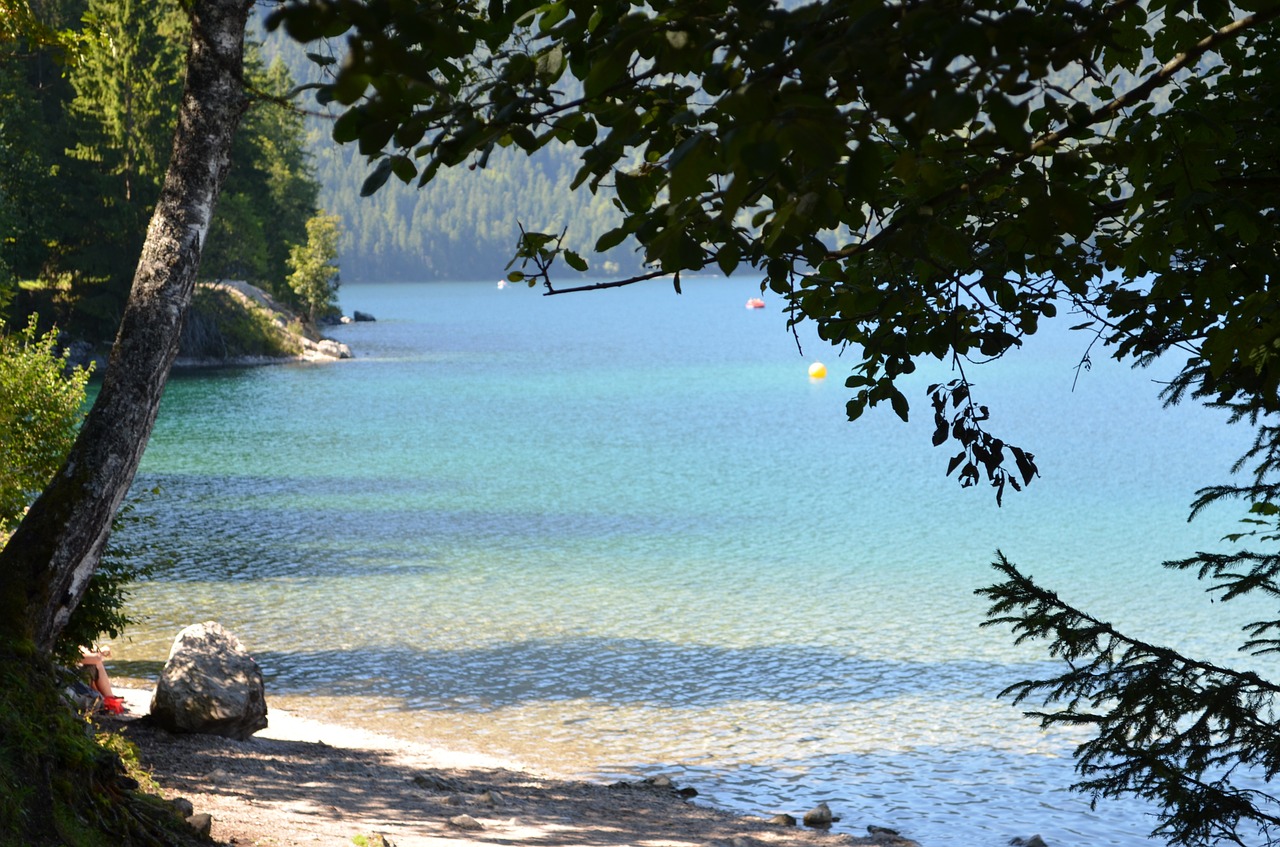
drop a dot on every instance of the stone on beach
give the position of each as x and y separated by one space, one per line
211 685
465 822
201 823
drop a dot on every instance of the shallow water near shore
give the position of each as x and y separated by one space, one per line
624 533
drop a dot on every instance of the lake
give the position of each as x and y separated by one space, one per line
624 533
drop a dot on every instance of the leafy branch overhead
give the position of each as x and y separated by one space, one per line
920 180
923 181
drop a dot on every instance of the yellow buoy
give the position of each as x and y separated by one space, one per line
817 371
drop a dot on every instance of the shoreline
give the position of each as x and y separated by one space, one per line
302 781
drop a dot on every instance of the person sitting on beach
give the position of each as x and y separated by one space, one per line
92 659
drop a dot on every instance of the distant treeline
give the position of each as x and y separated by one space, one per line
464 225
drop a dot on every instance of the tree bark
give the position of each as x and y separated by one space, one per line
47 564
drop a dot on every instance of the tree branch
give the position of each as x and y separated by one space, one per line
1101 114
602 285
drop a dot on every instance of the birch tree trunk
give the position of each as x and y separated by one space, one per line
47 564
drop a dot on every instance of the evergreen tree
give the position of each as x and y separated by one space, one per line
127 78
270 193
39 190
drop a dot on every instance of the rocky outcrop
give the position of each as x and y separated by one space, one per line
327 348
234 323
211 685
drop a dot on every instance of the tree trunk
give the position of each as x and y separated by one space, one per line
47 564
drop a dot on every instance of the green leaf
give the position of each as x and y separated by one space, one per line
347 127
637 192
584 134
377 179
1010 121
553 14
691 164
404 168
551 63
605 73
611 239
1073 212
899 402
575 261
864 170
727 258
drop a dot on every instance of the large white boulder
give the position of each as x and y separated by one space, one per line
210 685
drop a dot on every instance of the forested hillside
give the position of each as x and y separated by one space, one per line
462 226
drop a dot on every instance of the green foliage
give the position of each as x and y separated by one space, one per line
86 136
128 81
465 226
33 136
313 267
35 728
923 182
18 22
40 413
62 786
41 406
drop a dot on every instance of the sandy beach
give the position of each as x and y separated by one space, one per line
303 782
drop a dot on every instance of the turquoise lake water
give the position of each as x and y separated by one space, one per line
624 533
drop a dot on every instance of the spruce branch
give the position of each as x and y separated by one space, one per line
1174 730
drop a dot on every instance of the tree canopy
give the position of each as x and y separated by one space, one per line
922 180
314 267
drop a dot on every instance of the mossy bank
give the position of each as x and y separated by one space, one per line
235 323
